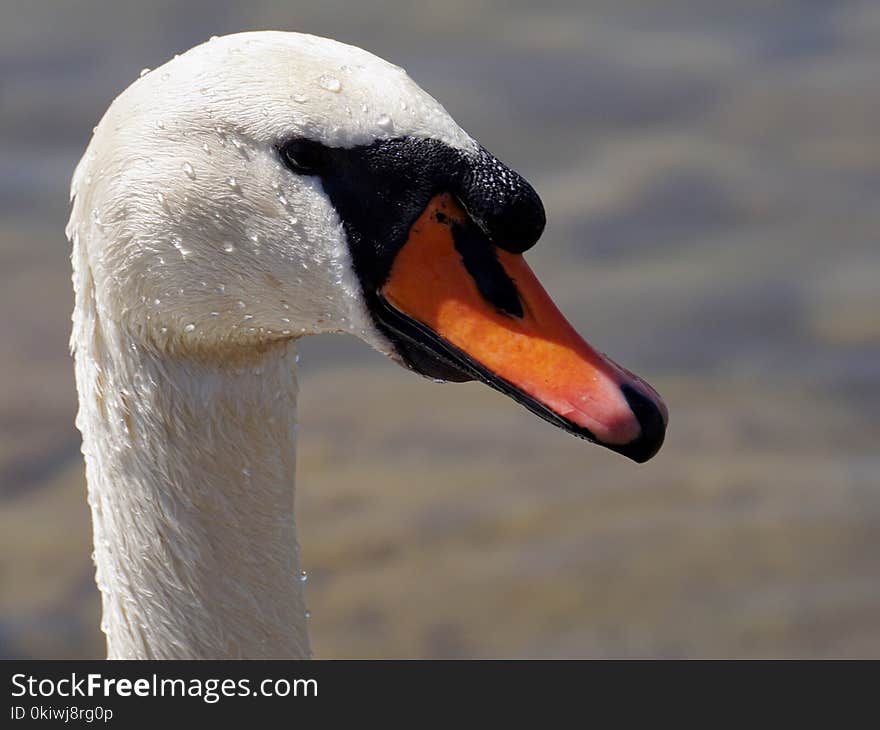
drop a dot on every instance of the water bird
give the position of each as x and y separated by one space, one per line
256 189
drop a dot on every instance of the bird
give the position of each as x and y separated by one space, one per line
256 189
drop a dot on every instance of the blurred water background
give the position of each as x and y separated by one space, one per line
711 173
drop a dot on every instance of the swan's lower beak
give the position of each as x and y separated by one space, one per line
480 310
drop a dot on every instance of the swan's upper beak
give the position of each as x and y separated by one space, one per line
481 310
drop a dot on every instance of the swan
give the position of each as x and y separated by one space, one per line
258 188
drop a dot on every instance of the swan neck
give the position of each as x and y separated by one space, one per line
190 469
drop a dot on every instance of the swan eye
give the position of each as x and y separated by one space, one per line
303 156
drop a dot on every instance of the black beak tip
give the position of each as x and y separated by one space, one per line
653 427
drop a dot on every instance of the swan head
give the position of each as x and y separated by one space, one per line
264 186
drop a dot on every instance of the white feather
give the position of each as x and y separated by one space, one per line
198 258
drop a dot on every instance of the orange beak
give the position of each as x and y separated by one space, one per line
488 314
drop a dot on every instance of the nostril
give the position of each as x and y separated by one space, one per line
651 421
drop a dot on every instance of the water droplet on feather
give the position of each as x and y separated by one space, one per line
331 83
